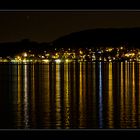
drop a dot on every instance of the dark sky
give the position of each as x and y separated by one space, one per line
45 26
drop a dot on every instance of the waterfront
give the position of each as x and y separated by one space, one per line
70 95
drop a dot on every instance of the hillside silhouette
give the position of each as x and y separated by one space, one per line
13 48
93 38
114 37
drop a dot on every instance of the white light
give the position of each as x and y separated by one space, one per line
25 54
57 60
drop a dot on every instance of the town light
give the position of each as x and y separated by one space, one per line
57 60
25 54
46 60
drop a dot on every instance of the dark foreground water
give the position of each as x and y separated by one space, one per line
74 95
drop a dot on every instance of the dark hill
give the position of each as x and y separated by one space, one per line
100 38
130 37
13 48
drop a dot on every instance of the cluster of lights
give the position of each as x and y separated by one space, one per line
70 55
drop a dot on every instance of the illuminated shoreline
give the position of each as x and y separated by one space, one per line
63 62
108 54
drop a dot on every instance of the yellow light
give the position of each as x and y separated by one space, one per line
45 60
110 49
18 57
127 55
81 52
67 60
132 54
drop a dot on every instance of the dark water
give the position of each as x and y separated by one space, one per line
74 95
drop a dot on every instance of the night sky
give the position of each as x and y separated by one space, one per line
46 26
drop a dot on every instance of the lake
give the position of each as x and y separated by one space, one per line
76 95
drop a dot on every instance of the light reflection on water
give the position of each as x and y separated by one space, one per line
122 97
110 98
67 91
19 118
100 97
46 96
26 96
70 95
82 97
58 98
